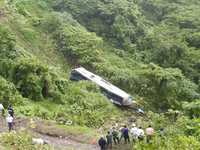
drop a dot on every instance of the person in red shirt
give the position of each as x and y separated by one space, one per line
149 133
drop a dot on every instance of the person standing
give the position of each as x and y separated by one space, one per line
140 134
161 132
109 140
126 134
9 120
1 109
121 130
115 135
133 132
149 133
11 110
1 113
102 143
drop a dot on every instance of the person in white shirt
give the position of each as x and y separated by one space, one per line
9 120
140 134
134 132
1 113
1 109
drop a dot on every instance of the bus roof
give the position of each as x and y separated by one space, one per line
102 83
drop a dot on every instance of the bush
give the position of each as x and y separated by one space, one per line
177 129
34 80
88 107
192 108
184 143
28 77
9 94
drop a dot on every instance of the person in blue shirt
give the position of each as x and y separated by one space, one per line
126 134
102 143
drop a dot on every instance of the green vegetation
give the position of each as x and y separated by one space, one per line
178 129
149 48
20 140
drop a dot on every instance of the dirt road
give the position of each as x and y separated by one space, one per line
58 143
67 144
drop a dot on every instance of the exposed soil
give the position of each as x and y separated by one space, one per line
60 139
67 143
58 142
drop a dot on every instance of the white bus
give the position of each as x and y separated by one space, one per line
113 93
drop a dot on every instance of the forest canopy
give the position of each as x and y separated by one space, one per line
149 48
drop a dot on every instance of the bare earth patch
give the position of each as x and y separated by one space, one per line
58 138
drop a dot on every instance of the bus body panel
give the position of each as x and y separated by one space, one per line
113 93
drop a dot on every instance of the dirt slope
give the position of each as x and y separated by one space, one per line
62 142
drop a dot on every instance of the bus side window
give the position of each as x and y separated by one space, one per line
112 96
117 98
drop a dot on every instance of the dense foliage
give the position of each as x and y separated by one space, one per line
149 48
177 129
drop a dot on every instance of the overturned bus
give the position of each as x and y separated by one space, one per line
113 93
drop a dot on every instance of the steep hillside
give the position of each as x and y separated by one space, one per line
38 71
149 48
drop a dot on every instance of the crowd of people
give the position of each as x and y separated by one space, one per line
9 116
126 135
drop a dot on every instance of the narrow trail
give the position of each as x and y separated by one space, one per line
58 143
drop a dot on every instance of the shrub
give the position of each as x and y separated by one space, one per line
184 143
177 129
192 108
8 93
88 107
28 77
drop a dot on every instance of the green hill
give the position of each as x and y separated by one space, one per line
149 48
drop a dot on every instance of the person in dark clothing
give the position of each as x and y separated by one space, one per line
102 143
109 140
115 135
126 135
11 110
